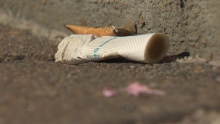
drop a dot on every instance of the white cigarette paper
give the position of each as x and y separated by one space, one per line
147 48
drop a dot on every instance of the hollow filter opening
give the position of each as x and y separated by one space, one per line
156 48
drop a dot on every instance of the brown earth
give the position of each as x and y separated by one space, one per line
191 25
36 90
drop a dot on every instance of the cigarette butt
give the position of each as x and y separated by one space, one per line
123 32
103 31
147 48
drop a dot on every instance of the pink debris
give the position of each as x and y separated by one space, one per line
109 92
134 89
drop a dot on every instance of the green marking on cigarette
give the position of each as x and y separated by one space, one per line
97 49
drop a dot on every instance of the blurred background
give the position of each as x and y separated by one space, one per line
192 25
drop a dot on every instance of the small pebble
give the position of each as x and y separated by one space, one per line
217 78
198 69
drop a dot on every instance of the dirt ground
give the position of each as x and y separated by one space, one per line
36 90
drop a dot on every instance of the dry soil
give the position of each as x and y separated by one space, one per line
36 90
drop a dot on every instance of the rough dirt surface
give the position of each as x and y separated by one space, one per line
192 25
36 90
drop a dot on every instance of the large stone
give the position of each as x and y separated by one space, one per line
192 25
